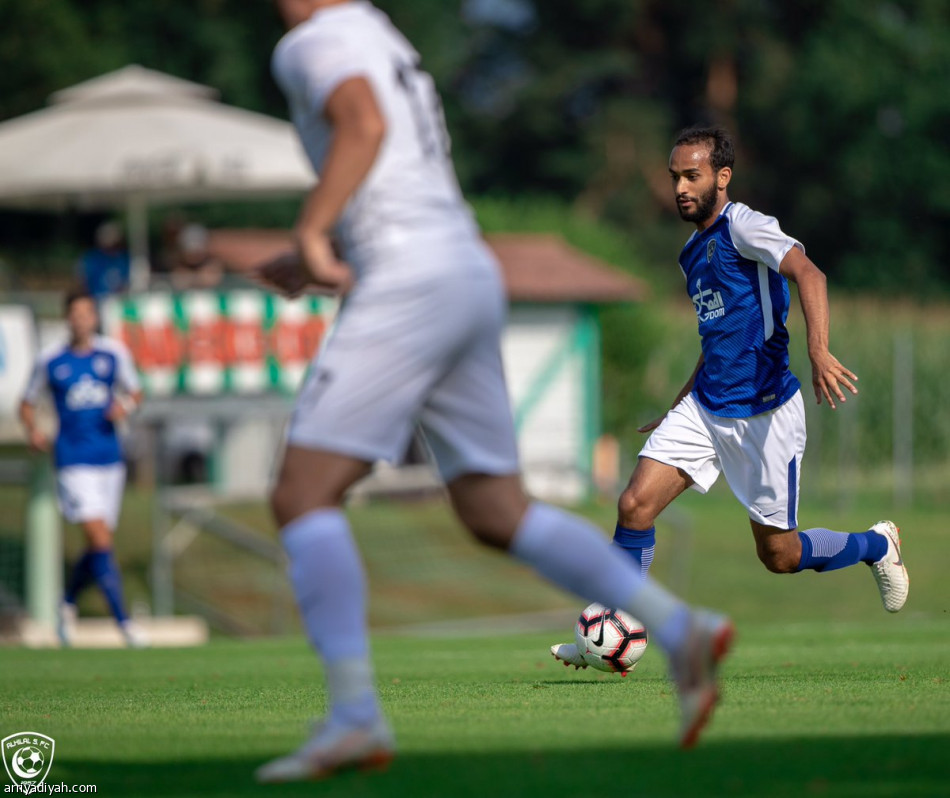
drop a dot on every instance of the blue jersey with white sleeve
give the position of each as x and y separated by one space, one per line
83 385
741 302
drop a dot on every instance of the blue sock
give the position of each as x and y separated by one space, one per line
80 577
638 543
824 550
106 573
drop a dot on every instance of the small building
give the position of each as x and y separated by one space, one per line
551 350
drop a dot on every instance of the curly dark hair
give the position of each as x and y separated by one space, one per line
722 153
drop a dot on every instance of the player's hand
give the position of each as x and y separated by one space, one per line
116 412
321 264
652 425
38 441
284 274
292 273
828 376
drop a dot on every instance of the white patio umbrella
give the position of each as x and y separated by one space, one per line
136 137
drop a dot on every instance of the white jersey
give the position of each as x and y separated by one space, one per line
411 190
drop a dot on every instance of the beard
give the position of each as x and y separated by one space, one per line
705 203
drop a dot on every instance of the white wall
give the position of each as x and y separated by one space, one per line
546 384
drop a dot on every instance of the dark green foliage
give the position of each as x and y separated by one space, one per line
840 108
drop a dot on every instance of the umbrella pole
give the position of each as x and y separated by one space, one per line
137 223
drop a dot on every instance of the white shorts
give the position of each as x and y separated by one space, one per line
91 493
761 456
428 356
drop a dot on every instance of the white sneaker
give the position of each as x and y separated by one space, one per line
694 668
569 655
333 747
890 572
135 636
66 623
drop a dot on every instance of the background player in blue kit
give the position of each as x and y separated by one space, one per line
94 385
741 411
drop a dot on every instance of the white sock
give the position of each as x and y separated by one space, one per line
327 576
351 692
573 554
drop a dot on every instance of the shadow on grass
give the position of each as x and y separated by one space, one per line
870 767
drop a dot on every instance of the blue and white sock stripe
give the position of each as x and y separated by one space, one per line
646 559
825 543
638 543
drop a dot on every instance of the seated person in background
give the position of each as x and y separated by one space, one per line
195 266
104 269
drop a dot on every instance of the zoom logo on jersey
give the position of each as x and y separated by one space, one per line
708 303
87 393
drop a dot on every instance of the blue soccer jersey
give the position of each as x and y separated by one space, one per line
741 302
83 385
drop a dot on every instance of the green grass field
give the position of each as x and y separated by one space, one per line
818 709
826 695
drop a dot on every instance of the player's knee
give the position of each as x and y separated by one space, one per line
779 559
493 532
633 512
287 503
98 536
490 508
495 538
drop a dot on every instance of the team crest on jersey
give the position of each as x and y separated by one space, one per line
100 365
86 393
708 303
710 249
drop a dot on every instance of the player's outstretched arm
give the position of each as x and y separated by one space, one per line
828 376
679 398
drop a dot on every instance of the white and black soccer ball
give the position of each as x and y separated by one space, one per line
29 761
610 640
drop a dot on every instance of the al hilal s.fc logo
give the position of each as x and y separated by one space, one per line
28 756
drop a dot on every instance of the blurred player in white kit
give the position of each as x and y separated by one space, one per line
416 344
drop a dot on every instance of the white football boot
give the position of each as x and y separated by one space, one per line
134 635
66 623
890 572
333 747
569 654
694 668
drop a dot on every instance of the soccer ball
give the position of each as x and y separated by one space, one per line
610 640
29 761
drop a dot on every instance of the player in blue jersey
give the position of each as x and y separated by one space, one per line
741 412
94 385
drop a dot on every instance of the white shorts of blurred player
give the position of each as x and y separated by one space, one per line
91 493
761 456
422 353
